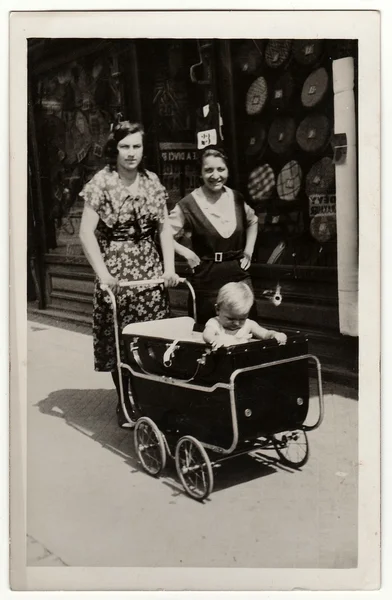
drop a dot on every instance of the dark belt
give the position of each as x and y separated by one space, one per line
123 235
224 256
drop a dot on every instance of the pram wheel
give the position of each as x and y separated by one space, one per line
292 447
194 468
150 446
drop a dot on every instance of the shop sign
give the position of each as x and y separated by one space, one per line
180 174
322 204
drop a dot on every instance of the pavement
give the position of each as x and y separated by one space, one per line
90 504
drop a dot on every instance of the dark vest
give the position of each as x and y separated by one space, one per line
206 240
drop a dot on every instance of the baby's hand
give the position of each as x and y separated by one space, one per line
281 338
217 343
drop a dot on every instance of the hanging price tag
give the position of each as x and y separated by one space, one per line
206 138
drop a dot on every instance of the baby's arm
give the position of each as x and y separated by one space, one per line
266 334
211 334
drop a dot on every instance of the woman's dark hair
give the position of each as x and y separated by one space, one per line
215 152
118 133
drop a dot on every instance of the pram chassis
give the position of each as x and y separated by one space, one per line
157 443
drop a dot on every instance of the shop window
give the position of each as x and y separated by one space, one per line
74 106
284 113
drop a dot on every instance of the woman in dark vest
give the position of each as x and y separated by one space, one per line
222 229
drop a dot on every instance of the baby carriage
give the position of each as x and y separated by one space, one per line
202 406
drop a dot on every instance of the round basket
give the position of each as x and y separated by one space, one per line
281 135
314 88
249 56
277 53
289 181
323 228
313 133
261 183
307 52
256 96
282 91
255 140
321 177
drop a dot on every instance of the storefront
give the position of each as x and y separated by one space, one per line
271 104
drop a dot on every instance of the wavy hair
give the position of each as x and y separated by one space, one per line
215 152
118 133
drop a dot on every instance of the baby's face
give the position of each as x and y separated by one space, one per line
230 319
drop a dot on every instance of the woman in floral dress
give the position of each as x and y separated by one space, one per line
124 212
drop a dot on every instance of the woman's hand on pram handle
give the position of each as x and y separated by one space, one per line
108 281
171 279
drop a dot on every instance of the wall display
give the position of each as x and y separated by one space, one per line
277 53
72 129
321 177
314 133
323 228
289 181
261 183
281 135
255 140
292 179
308 52
314 88
256 96
250 56
282 91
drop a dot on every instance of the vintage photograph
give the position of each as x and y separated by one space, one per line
193 239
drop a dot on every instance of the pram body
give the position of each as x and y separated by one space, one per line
202 406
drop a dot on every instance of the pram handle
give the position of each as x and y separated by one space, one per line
141 282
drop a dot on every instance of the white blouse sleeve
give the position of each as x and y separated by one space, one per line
251 217
177 221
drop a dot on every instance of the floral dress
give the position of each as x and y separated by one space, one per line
126 235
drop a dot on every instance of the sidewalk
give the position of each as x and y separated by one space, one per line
90 504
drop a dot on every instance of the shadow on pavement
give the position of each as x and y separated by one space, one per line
92 413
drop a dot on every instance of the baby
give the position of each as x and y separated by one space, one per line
231 324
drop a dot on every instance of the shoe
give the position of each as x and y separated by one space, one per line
121 420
